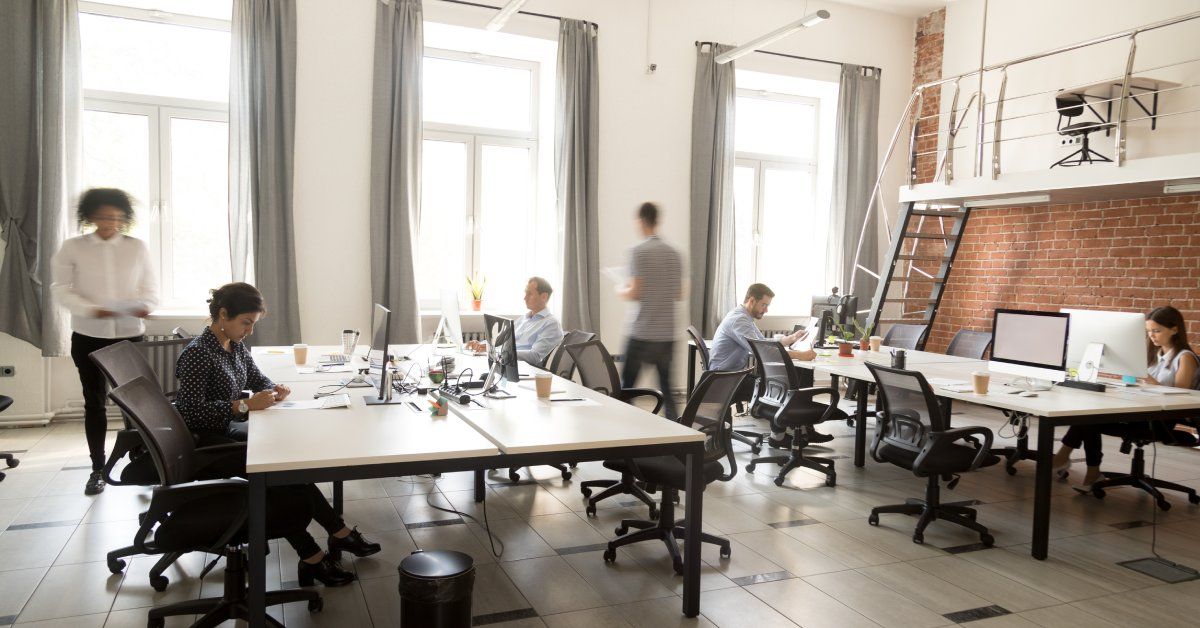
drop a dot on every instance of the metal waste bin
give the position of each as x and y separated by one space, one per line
435 589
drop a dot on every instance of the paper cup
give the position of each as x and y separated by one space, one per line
876 343
542 384
301 353
980 380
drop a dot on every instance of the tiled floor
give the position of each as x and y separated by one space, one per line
803 553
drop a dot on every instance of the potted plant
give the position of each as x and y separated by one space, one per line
864 335
845 339
475 285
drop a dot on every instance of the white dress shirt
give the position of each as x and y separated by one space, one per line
91 273
536 336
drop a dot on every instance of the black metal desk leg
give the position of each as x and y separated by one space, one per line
691 373
1041 491
257 599
338 497
480 489
691 542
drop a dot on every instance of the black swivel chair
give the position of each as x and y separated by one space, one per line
785 397
186 515
558 362
905 336
598 371
9 460
1136 436
970 344
914 433
750 438
707 412
1071 106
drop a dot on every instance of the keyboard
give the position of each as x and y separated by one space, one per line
335 358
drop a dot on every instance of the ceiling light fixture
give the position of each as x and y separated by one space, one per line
1181 187
773 36
500 19
1033 199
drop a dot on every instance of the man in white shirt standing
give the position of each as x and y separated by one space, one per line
537 332
108 283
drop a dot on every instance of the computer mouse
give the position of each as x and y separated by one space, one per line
1027 393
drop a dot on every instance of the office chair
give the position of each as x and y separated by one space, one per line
1070 106
186 515
785 397
743 395
970 344
707 412
1136 436
9 459
905 336
598 372
913 433
560 363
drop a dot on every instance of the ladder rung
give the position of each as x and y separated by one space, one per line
905 321
937 212
924 258
934 236
917 279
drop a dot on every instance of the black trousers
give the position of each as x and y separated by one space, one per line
95 391
658 353
1088 436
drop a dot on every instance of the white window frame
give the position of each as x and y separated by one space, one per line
476 138
159 111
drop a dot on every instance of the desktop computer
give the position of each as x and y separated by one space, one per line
379 354
449 329
1030 344
1109 342
502 347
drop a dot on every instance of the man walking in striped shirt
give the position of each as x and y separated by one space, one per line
655 285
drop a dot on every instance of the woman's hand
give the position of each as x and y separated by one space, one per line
261 400
103 313
142 313
281 392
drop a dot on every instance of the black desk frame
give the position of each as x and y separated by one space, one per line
1106 118
692 452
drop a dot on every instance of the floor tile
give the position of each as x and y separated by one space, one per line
617 582
38 547
807 605
876 601
664 612
735 608
551 585
70 590
592 618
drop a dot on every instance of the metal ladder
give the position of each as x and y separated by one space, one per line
918 264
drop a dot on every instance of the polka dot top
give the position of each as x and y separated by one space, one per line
210 378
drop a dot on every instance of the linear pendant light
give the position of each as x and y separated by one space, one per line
773 36
501 18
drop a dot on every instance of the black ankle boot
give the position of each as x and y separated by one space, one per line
328 571
355 543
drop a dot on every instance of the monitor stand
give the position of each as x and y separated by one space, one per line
374 400
1032 384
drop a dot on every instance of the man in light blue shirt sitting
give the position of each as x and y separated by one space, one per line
537 332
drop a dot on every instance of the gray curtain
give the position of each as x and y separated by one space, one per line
262 120
396 164
855 167
712 237
576 159
39 151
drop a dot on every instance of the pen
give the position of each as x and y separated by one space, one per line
414 406
568 399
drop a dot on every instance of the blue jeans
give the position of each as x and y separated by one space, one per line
660 354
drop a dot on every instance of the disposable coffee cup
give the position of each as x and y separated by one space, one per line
876 343
542 382
301 352
980 380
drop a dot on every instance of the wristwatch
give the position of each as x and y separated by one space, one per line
242 408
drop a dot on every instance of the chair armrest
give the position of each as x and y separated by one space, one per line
941 441
166 499
884 426
628 394
798 395
220 461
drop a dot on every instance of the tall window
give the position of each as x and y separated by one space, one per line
778 220
155 123
483 206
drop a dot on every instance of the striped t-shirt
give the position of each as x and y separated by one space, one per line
660 269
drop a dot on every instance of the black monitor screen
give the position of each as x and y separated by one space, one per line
502 345
844 309
379 343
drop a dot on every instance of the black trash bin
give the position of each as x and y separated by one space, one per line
435 589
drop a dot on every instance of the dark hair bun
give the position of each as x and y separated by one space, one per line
236 299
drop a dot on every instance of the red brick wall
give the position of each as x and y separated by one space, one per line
1132 255
927 66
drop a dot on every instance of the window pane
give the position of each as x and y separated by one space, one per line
743 217
116 154
788 258
441 246
138 57
773 127
476 94
220 9
199 208
506 244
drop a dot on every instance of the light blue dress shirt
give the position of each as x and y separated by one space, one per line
537 335
730 350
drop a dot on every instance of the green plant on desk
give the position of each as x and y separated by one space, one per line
847 333
475 285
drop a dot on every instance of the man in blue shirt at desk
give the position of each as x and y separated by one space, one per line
537 332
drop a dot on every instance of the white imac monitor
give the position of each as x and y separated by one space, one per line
1122 336
1030 344
449 332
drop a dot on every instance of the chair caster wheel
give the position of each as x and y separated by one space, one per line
514 476
316 606
116 565
831 480
750 468
159 583
621 531
156 622
678 567
1098 493
987 540
566 475
778 481
610 555
873 519
918 538
755 449
1193 498
587 492
1011 470
590 510
12 463
1164 505
726 552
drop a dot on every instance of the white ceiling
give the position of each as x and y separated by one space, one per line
910 8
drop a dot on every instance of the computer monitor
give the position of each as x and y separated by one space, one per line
828 309
1030 344
379 349
502 345
449 330
1122 340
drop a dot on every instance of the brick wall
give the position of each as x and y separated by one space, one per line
927 66
1132 255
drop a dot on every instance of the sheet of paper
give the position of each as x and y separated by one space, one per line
616 274
331 401
572 402
124 307
533 386
1160 390
958 388
945 382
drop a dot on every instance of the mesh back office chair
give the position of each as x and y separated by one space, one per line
970 344
707 412
744 394
190 516
905 336
1135 436
914 433
9 460
1071 106
598 372
785 397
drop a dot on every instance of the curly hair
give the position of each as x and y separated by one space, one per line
92 200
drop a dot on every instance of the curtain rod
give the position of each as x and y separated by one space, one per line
488 6
783 54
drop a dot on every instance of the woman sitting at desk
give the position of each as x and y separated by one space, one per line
213 370
1171 362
